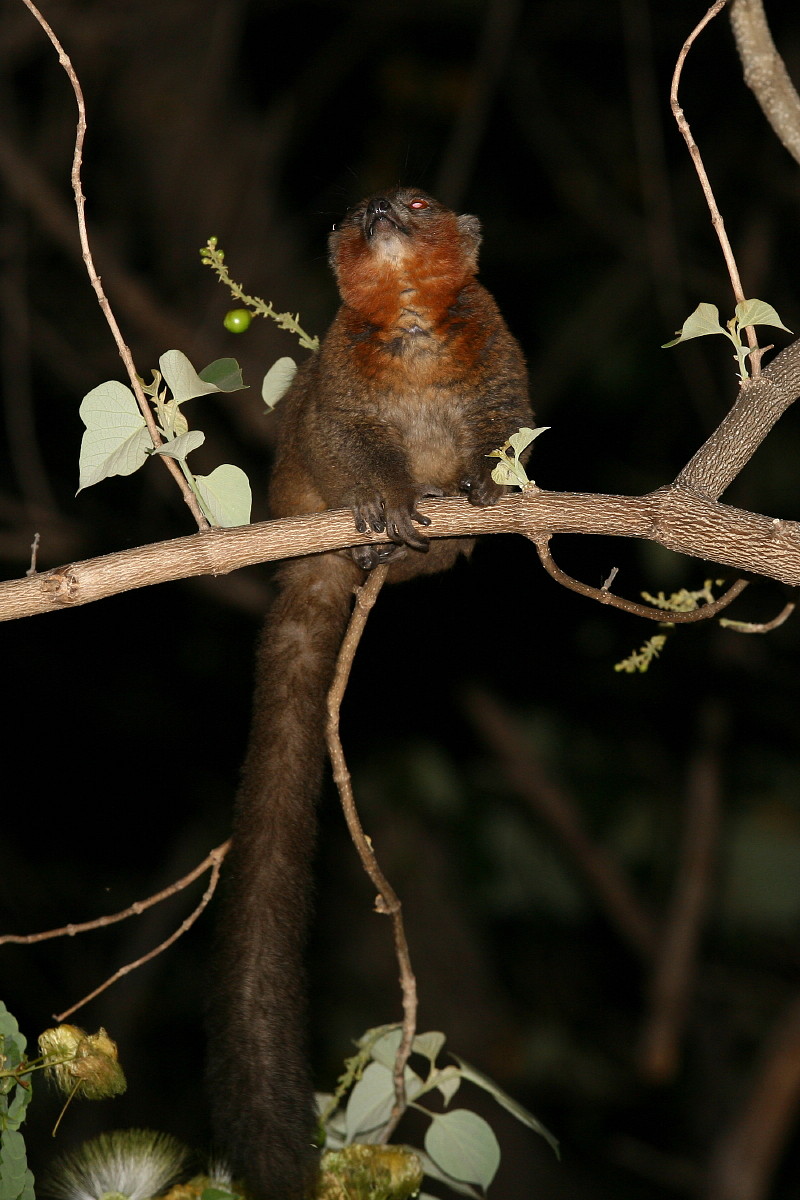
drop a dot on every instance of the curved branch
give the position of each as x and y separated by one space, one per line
761 626
213 859
94 278
705 183
765 73
672 516
387 902
604 596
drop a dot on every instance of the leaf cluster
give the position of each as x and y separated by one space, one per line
16 1179
117 440
705 320
510 471
80 1064
460 1148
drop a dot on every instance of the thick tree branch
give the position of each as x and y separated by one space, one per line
672 516
684 516
759 405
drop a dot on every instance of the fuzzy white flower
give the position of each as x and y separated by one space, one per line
134 1163
220 1175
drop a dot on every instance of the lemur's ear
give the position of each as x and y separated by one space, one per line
470 230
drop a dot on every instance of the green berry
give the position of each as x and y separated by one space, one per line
237 320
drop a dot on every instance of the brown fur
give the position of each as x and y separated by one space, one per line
416 381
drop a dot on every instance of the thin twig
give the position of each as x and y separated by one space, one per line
32 569
705 182
663 615
213 859
760 626
387 901
94 278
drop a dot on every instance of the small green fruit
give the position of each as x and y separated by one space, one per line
237 320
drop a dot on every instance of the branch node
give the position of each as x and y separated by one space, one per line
62 585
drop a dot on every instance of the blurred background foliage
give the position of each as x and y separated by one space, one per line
484 707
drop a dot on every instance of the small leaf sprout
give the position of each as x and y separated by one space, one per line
705 320
510 470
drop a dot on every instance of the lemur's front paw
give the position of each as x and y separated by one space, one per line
372 511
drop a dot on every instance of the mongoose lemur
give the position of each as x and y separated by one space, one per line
417 380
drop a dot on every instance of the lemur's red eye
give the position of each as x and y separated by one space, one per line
419 204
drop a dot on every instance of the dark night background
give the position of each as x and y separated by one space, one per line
125 720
